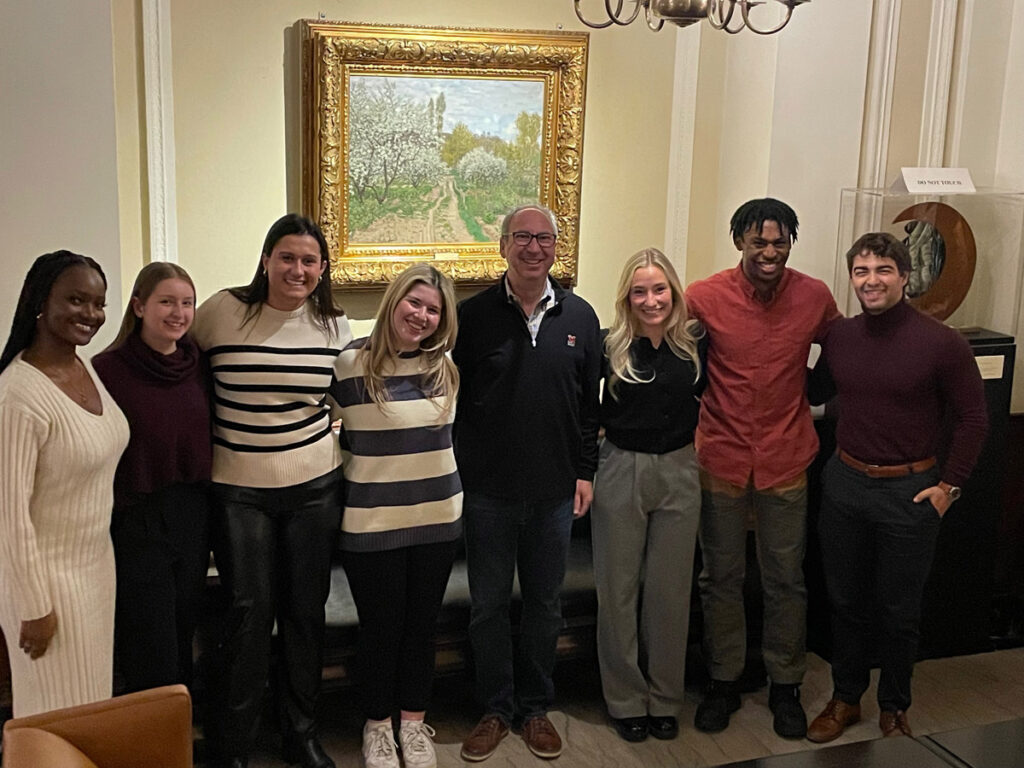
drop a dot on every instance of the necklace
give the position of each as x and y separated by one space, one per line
66 380
83 397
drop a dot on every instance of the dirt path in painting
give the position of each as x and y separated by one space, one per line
441 224
444 225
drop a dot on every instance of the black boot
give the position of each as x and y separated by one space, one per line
720 700
790 718
306 751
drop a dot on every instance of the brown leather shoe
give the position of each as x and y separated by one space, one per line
832 721
484 738
894 723
542 738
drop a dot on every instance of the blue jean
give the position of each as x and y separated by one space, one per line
502 535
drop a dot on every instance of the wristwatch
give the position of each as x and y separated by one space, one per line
952 491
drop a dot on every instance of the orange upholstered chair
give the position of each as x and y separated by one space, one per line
151 728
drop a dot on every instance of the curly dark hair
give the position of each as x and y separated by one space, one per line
34 291
754 213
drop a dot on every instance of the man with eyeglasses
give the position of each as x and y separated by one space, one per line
529 355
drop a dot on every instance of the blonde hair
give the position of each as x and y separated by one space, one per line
149 277
681 333
441 376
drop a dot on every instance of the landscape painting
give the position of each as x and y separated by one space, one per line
416 142
440 160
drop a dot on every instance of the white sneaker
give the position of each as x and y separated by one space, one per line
379 746
417 748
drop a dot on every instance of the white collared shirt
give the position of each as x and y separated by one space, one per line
547 300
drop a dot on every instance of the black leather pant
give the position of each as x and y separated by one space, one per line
274 556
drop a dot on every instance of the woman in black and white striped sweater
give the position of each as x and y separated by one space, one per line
276 471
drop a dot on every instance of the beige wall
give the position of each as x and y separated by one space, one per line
57 143
236 101
779 116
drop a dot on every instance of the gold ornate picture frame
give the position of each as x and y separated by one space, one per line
416 140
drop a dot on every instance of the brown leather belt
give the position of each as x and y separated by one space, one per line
894 470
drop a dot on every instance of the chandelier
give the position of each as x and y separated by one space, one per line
721 14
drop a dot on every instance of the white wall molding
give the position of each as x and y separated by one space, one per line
937 78
680 175
156 47
885 26
958 85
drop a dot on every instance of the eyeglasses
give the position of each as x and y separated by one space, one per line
522 239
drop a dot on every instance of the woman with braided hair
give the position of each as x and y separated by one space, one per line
61 435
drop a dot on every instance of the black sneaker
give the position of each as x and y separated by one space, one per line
790 719
720 700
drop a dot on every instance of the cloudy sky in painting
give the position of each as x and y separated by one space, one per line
486 106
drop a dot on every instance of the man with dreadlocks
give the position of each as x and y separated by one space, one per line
754 442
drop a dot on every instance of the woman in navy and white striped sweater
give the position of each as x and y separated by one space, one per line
403 504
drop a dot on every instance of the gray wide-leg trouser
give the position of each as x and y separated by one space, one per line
644 528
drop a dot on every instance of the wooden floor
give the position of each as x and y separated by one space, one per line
948 694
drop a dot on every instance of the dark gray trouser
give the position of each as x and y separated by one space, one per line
781 530
877 547
644 528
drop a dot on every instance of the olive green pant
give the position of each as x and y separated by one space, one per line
780 520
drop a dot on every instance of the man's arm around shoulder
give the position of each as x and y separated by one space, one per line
590 411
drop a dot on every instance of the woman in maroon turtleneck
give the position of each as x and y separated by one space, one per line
154 371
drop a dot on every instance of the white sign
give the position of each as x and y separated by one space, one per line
933 181
990 366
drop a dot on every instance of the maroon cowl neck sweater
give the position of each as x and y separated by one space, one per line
898 374
165 399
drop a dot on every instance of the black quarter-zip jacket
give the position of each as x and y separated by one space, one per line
527 417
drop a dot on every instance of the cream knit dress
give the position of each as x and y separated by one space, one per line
57 463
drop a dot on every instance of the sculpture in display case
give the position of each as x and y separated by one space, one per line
943 255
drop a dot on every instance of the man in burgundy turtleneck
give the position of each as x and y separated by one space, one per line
897 373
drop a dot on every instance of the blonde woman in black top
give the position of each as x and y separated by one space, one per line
647 497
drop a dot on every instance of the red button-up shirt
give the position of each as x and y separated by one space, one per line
755 421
